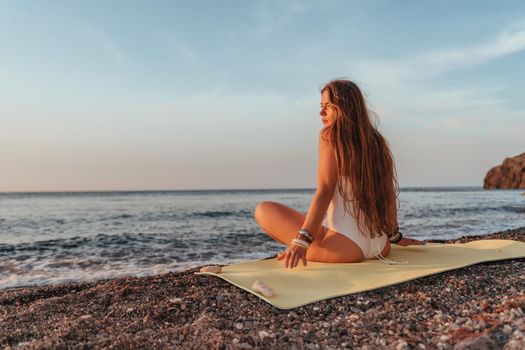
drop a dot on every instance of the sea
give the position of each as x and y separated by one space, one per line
60 237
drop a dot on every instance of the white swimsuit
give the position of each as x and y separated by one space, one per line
337 219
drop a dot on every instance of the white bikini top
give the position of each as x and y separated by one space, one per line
337 219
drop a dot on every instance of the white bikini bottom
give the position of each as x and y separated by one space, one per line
371 247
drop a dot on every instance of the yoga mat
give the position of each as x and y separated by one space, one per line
303 285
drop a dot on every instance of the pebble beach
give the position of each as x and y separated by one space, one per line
478 307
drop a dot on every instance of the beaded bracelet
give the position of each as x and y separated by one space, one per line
300 243
303 237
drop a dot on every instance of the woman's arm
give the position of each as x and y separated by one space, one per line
326 184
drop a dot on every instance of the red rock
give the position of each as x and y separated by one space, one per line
510 174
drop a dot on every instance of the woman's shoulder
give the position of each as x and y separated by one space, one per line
325 138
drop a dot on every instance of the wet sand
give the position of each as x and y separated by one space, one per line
481 305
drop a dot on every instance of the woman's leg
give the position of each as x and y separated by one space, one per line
282 223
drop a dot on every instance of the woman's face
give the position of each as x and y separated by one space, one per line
327 109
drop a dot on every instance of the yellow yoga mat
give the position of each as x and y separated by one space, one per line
318 281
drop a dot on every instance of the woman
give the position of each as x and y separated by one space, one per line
353 214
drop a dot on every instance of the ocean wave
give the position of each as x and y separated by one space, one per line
221 213
109 256
448 212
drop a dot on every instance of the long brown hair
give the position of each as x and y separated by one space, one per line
364 160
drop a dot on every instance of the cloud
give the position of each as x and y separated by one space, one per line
509 41
431 64
407 94
474 108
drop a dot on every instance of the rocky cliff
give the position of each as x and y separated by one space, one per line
509 174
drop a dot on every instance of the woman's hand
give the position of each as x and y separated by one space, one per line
292 255
409 241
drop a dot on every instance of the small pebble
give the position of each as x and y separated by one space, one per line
353 317
441 345
355 309
402 345
263 334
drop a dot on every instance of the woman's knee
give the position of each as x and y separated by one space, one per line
260 208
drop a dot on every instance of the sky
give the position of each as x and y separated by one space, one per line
178 95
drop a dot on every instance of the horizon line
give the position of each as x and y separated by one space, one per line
214 189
